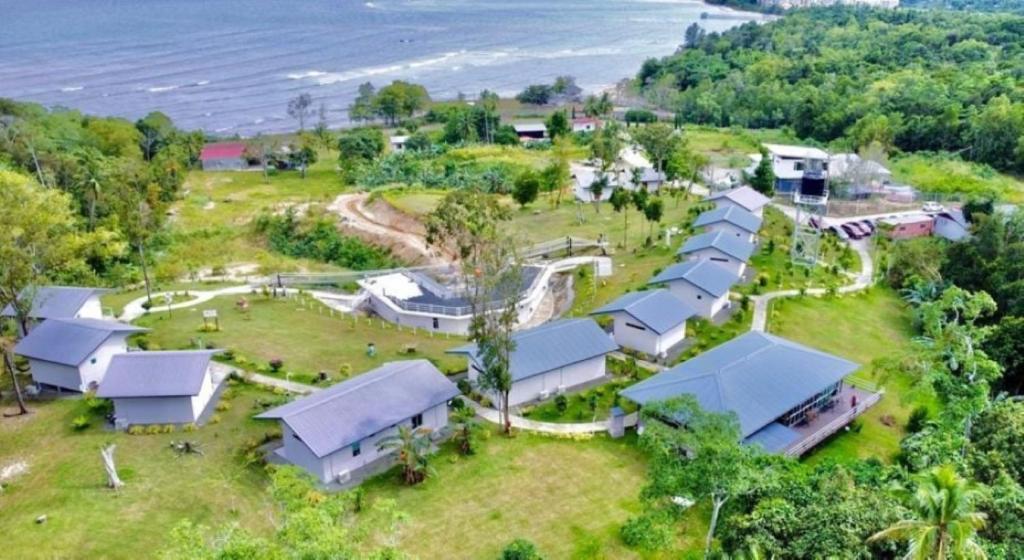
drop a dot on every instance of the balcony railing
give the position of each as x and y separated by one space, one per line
838 423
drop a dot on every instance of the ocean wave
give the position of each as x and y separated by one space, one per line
305 75
159 89
202 82
70 89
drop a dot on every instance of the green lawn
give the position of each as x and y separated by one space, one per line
116 301
865 327
66 482
942 173
305 336
731 147
569 497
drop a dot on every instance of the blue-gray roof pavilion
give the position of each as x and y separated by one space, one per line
658 310
731 245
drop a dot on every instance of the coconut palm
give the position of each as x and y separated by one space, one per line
464 429
944 523
412 447
91 177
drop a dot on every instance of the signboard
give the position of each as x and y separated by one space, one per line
209 314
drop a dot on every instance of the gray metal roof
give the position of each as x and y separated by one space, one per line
352 410
729 244
756 375
553 345
730 214
706 275
774 437
658 310
744 196
55 302
155 374
69 341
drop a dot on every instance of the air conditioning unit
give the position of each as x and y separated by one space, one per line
544 394
560 390
343 476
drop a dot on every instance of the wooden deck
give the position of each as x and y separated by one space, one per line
830 421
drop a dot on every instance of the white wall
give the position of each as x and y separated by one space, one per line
200 400
91 310
398 316
154 410
327 468
569 376
643 339
732 264
702 302
949 229
731 230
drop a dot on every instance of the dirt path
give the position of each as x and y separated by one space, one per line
404 239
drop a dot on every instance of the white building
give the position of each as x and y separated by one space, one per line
338 431
60 302
720 247
397 143
651 321
744 198
172 387
789 164
732 221
951 225
585 124
550 359
702 285
73 354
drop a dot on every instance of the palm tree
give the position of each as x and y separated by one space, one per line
91 178
464 428
411 446
945 522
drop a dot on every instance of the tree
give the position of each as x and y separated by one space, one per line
653 211
606 146
362 107
695 453
411 446
92 176
489 104
156 130
558 124
536 94
1006 346
520 549
621 200
303 153
553 178
565 87
944 523
597 188
360 145
399 99
113 481
659 140
763 180
464 430
526 188
694 35
300 108
598 105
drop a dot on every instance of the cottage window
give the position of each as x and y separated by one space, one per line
92 360
417 421
719 259
357 449
437 324
700 296
635 326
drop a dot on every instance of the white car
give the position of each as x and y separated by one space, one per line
932 207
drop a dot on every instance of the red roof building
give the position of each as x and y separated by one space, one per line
222 156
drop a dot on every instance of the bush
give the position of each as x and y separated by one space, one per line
153 429
80 423
136 430
228 354
561 403
215 419
520 549
465 387
647 532
918 419
276 364
190 427
167 428
223 406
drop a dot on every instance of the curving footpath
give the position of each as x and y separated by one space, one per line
518 422
863 281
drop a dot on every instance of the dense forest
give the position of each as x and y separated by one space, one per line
967 5
908 80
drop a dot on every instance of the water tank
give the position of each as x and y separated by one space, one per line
813 184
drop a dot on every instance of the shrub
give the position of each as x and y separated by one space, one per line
646 532
918 419
223 406
228 354
215 419
167 428
153 429
80 423
190 427
458 404
561 403
276 364
465 387
136 430
345 370
521 549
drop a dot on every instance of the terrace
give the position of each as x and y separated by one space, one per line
821 423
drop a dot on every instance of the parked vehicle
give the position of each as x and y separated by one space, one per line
839 233
933 207
853 232
870 225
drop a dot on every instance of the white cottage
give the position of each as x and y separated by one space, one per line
60 302
651 321
721 248
951 225
703 285
334 432
73 354
744 197
550 359
731 220
172 387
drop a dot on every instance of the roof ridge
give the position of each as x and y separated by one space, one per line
354 387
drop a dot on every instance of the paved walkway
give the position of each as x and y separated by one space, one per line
492 416
861 282
260 379
134 309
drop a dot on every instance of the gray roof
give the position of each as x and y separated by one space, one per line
352 410
69 341
774 437
957 216
553 345
744 196
651 175
55 302
706 275
155 374
730 214
756 375
658 310
729 244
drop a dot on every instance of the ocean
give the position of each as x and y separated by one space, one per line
230 66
